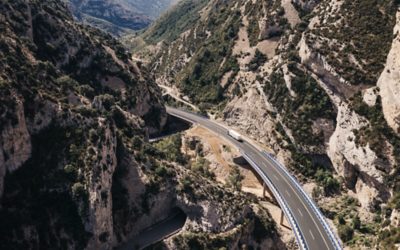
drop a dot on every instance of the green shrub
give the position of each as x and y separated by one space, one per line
234 179
78 190
258 60
329 183
171 148
345 232
202 166
356 223
161 171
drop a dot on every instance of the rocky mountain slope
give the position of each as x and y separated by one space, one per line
314 80
152 8
76 170
118 16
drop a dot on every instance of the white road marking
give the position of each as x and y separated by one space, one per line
308 211
312 235
276 177
300 212
287 192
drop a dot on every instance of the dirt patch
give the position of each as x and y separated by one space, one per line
242 47
267 47
225 78
291 13
221 153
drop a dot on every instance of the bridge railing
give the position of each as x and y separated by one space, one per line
191 112
288 212
310 202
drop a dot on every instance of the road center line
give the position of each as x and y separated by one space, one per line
301 201
300 212
312 235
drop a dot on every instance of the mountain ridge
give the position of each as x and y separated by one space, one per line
118 17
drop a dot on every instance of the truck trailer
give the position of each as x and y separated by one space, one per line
235 135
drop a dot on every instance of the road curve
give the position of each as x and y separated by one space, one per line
309 225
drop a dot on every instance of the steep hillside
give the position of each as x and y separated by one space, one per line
76 170
152 8
118 16
314 80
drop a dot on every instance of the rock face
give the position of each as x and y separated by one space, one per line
76 170
389 81
308 88
16 142
60 128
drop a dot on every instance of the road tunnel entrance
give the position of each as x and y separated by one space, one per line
174 125
157 232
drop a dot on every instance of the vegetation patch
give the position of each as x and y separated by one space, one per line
44 196
299 112
360 36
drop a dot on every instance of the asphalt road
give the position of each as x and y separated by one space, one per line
313 232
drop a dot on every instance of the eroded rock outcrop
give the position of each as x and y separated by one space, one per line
60 128
389 81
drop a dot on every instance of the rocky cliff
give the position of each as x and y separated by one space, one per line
66 91
76 170
314 80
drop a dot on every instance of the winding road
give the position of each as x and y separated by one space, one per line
308 223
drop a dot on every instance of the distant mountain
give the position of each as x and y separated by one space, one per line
118 16
151 8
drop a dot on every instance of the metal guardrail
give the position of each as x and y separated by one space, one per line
288 212
310 202
190 112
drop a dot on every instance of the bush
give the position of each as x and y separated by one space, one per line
171 148
341 220
70 171
258 60
395 201
356 223
234 179
345 232
201 166
186 184
78 190
329 183
161 171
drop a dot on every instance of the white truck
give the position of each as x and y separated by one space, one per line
235 135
